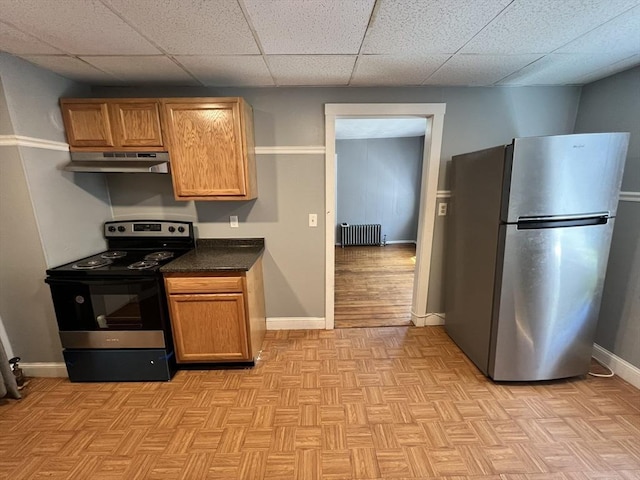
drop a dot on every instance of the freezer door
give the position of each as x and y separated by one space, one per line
548 301
567 175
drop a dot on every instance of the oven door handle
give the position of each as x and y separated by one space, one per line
93 281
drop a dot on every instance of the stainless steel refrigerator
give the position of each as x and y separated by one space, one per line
527 246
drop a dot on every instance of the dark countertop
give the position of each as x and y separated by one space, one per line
218 255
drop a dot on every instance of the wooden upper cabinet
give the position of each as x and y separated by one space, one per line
96 124
87 124
211 148
137 124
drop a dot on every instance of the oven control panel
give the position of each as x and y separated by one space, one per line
148 228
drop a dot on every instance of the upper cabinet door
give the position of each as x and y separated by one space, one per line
137 124
211 148
87 124
98 124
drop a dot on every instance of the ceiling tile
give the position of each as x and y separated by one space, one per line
617 35
310 26
428 26
142 69
612 69
17 42
79 27
311 69
395 70
542 26
562 69
72 68
478 69
190 27
232 70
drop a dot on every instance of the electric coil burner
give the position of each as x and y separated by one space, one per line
111 307
143 265
91 263
158 256
114 254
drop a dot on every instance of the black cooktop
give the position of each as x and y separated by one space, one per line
136 247
119 262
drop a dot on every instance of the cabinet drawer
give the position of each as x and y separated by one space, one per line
203 284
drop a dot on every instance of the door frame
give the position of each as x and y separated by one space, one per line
434 113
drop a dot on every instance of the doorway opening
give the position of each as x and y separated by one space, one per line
378 180
434 115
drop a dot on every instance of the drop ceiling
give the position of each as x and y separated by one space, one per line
266 43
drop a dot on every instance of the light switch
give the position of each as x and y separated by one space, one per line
233 221
313 219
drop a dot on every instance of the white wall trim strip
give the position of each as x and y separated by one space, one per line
285 150
630 196
619 366
44 369
443 194
296 323
22 141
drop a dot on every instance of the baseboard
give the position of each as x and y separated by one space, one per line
44 369
433 319
619 366
393 242
296 323
428 320
389 242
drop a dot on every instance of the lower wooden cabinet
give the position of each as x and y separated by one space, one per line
217 317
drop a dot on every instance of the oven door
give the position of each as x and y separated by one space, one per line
109 313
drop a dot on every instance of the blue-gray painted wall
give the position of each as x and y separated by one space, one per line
378 181
613 105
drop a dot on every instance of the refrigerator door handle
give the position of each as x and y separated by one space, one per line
579 216
559 222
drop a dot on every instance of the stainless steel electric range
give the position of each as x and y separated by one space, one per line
111 307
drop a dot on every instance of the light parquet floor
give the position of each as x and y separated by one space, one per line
366 403
374 285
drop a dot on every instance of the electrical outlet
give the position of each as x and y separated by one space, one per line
233 221
313 219
442 209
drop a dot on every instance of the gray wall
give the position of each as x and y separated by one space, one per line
5 129
56 216
287 192
378 181
5 120
294 272
613 105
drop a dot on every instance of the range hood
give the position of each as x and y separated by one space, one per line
122 162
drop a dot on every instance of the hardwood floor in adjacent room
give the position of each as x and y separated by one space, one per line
363 403
374 285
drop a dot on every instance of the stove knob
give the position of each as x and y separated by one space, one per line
112 228
172 229
121 228
181 229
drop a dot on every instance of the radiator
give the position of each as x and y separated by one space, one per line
360 234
